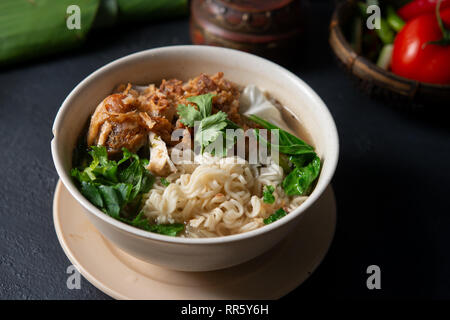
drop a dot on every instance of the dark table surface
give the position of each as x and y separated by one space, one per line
391 182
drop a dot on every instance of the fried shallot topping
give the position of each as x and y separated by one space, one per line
125 118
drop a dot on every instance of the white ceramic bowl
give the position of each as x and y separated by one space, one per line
185 62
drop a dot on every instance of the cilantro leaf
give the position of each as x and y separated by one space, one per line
280 213
81 176
188 115
268 196
126 154
204 103
211 128
136 175
212 120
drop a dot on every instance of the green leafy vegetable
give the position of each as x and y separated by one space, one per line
91 193
111 185
116 188
167 229
302 156
232 125
188 115
301 160
280 213
268 196
204 103
300 180
211 126
164 182
283 161
142 222
287 144
111 199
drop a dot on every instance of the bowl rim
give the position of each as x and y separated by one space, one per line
337 33
89 207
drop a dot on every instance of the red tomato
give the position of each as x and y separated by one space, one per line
419 7
414 59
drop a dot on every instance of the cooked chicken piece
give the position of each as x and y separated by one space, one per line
125 118
121 121
117 124
163 128
160 163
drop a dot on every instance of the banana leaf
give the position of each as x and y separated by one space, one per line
30 28
33 28
151 9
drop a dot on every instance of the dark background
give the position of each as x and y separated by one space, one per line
391 182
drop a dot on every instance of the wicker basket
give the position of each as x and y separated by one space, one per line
374 80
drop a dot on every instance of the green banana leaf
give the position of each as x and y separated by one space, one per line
30 28
33 28
138 9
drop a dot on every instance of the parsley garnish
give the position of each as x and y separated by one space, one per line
268 196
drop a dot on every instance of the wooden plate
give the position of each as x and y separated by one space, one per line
122 276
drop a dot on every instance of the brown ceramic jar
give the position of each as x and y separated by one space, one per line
258 26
